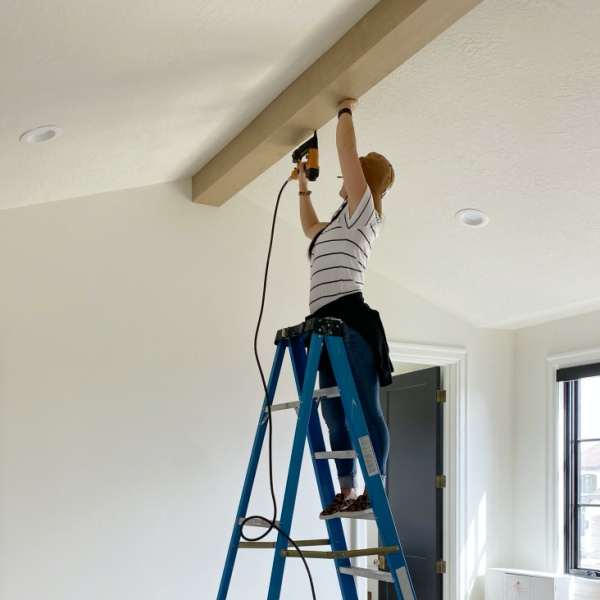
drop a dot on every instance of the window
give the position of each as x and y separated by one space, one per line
582 448
589 483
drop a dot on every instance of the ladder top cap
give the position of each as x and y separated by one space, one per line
321 326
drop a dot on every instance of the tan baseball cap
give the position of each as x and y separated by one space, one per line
379 173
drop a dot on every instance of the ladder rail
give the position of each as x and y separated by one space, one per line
361 441
316 443
250 474
298 444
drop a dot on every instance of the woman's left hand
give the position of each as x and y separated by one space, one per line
350 103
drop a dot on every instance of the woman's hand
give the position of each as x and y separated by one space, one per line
308 217
302 178
348 103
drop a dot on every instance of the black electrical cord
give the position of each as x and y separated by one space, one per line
271 522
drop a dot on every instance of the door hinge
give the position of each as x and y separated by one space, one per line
441 396
381 563
440 566
440 481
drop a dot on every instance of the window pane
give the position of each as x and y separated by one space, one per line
589 408
589 472
589 536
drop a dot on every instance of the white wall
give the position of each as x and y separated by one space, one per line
130 398
535 436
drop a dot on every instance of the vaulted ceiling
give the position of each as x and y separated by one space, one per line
499 113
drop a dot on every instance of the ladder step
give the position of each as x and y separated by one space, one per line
340 553
367 573
283 406
299 543
336 454
330 392
257 523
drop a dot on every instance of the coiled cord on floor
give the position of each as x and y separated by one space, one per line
271 522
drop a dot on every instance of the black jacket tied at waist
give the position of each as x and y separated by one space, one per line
355 312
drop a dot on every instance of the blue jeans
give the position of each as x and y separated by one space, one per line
366 378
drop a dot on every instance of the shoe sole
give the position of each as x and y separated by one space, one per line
335 515
349 514
356 513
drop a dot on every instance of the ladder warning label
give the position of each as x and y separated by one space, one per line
369 456
405 586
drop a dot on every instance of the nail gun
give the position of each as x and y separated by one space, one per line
310 148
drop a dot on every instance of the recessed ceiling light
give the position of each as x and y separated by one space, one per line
471 217
39 135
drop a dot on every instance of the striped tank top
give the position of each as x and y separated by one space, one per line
340 255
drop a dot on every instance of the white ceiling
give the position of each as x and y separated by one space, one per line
145 93
500 113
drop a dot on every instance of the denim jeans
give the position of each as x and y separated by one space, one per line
366 378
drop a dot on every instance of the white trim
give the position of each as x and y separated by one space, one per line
555 484
453 363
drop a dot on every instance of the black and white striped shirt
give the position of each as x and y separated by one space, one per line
339 257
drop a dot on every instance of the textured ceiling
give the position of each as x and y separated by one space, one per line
500 113
144 93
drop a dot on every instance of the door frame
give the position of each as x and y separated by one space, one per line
453 364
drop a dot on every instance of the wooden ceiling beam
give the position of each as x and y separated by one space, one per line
387 36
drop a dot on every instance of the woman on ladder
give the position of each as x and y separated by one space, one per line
338 253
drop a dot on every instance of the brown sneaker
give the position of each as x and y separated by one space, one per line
359 507
334 509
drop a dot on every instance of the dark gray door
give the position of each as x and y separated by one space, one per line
414 418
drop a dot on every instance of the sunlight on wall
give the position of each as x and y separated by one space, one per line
476 546
482 536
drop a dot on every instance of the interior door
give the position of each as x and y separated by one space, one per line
414 417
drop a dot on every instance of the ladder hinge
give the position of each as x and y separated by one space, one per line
441 396
440 566
440 481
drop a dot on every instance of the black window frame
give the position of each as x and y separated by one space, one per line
570 378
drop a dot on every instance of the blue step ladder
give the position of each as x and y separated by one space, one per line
323 332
